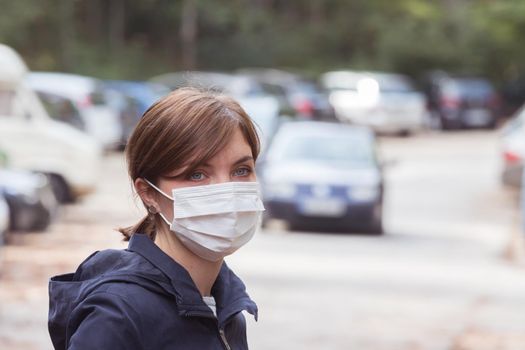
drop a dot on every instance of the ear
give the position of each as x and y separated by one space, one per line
146 193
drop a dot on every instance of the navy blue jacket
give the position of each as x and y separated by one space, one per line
140 298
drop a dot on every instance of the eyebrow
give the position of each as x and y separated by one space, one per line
243 159
237 162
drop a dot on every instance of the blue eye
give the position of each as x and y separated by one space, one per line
242 172
197 176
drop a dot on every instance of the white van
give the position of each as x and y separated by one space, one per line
32 141
88 95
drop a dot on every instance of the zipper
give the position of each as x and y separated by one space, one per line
222 335
223 338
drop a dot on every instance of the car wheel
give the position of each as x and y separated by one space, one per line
492 124
376 227
60 189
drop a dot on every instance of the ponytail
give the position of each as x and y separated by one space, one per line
145 226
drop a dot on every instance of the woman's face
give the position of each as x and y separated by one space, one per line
233 163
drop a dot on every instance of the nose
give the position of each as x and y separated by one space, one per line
221 177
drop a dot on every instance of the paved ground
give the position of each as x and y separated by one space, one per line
437 280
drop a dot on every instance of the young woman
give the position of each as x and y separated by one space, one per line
192 160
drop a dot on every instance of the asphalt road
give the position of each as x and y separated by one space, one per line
438 279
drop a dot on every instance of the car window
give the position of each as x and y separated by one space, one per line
469 87
343 151
306 88
98 96
341 82
273 89
61 109
394 84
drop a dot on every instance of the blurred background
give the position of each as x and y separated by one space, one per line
393 148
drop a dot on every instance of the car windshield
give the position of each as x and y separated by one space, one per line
394 84
61 109
306 87
342 151
470 87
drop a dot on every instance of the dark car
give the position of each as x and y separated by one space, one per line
323 176
29 196
462 102
298 97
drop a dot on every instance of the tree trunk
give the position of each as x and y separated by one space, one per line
67 34
188 34
116 25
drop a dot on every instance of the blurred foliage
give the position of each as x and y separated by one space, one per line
139 38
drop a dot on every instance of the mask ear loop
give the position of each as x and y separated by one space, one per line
158 189
153 210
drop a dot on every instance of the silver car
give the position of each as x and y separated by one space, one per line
388 103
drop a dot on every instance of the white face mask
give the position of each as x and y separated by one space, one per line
213 221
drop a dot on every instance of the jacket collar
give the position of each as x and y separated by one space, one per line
228 290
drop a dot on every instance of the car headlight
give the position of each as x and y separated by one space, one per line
365 193
281 190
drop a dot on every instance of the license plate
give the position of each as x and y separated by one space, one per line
323 207
477 116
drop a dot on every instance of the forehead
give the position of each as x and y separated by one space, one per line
237 146
233 149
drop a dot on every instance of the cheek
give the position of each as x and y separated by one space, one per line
166 207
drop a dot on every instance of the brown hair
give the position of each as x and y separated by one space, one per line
186 127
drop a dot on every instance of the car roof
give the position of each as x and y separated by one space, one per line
345 77
314 128
12 66
223 82
63 84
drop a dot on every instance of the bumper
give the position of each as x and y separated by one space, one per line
469 117
390 123
356 216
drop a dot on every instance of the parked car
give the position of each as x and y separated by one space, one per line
144 93
32 141
90 98
32 203
386 102
462 102
319 175
298 97
260 106
231 84
513 150
132 99
4 219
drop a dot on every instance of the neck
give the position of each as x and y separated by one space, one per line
202 272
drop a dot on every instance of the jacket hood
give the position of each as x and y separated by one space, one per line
144 264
